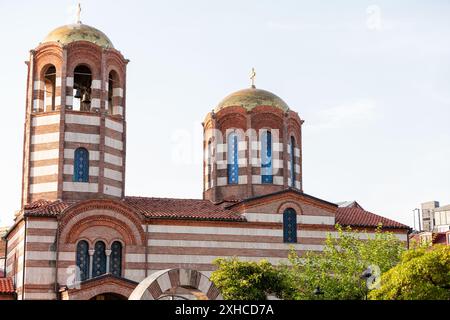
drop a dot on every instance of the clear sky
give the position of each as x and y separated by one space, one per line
371 79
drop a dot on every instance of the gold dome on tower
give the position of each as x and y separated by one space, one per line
78 32
251 98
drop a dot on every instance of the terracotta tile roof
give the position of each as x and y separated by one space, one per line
6 286
45 208
181 209
361 218
197 209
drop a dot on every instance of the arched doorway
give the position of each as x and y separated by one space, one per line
171 284
108 296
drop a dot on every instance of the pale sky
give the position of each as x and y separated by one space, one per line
371 79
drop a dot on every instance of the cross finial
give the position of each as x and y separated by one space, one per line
252 77
79 13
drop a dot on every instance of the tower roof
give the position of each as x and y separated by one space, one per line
251 98
78 32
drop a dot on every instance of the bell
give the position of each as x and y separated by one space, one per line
78 94
86 98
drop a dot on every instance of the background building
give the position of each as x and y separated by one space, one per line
435 224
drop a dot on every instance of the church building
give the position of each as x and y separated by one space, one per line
78 235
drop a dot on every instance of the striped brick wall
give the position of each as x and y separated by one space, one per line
82 129
40 91
296 168
118 101
247 156
15 256
44 156
40 258
114 158
193 246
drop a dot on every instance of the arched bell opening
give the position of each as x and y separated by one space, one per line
82 88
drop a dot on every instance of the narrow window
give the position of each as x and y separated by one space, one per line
266 157
115 264
81 165
290 226
233 167
99 263
292 162
83 260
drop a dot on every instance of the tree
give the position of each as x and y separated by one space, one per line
238 280
422 274
338 269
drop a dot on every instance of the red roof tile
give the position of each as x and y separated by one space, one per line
362 218
181 209
6 285
45 208
197 209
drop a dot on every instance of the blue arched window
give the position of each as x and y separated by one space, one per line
292 162
232 161
99 263
266 157
290 226
115 264
83 260
81 165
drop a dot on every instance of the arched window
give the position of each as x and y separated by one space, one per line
289 226
83 260
99 263
209 173
82 88
233 166
81 165
49 88
115 264
266 157
292 162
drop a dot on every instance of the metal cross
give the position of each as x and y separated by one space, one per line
252 77
79 13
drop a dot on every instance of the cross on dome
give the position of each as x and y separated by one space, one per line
78 13
252 77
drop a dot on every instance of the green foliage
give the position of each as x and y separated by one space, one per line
338 269
238 280
422 274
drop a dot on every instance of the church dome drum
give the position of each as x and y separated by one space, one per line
252 146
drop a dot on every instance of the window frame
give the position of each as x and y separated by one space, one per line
232 163
83 274
84 176
290 213
266 157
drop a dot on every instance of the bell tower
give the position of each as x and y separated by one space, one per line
75 123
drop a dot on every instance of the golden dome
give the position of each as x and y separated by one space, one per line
78 32
251 98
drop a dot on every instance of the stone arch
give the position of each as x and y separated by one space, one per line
106 284
154 286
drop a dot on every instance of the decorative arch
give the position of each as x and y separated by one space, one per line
290 204
113 214
154 286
